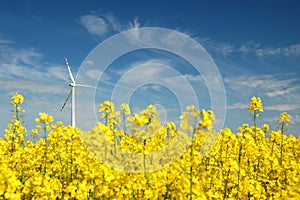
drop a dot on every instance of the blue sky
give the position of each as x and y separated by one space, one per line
255 45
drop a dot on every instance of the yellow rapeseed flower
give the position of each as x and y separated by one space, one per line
97 164
184 125
44 118
125 108
207 120
107 106
255 104
17 99
284 117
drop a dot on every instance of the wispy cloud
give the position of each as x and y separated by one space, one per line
237 106
260 51
283 91
154 75
194 78
4 41
15 56
31 86
269 85
101 25
215 48
253 48
139 63
153 70
282 107
23 69
134 24
294 119
95 25
113 22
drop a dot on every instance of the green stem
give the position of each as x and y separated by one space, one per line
281 145
239 171
191 174
226 184
115 144
45 152
71 160
258 167
144 160
45 131
254 122
124 123
192 156
167 196
17 112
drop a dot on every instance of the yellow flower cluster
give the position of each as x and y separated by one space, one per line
17 99
208 118
137 157
44 118
284 118
255 105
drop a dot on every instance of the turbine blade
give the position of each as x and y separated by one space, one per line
69 69
87 86
66 100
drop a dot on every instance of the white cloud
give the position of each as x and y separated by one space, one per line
3 41
113 22
28 72
153 61
282 107
31 86
143 71
258 50
94 24
221 48
93 74
18 56
263 85
254 48
101 25
216 48
294 119
159 76
226 48
194 78
154 87
271 119
249 47
135 24
58 72
23 69
285 91
97 74
237 106
291 50
267 52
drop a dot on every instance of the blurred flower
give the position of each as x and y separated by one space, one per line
284 117
255 105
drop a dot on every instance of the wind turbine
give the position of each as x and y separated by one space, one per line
73 85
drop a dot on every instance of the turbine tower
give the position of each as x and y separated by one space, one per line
73 85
